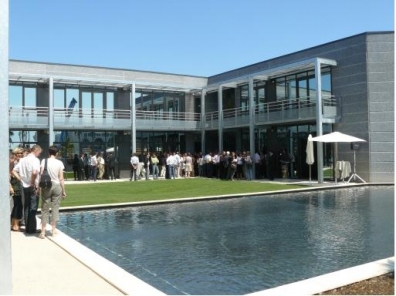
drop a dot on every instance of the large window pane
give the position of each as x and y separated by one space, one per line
110 101
244 104
280 89
98 104
30 97
291 87
59 98
86 102
71 93
326 84
15 95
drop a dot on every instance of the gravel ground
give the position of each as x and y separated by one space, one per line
381 285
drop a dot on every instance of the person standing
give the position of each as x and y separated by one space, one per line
154 163
146 165
75 167
87 163
94 167
270 161
101 165
16 194
27 170
249 166
81 167
111 161
134 167
189 165
51 197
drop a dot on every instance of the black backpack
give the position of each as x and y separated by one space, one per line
45 178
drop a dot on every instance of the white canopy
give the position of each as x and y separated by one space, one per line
337 137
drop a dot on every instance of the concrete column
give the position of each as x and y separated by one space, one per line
5 233
220 106
251 121
133 117
203 120
319 119
51 112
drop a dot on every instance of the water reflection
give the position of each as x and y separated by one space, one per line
238 246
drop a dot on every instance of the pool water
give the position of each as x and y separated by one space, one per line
241 245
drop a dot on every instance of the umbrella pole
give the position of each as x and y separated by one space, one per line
335 162
309 174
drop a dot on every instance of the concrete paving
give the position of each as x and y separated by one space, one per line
40 267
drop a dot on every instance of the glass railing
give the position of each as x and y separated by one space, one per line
28 117
120 119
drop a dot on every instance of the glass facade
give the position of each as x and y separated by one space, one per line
90 105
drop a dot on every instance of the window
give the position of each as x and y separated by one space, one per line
244 104
59 98
15 95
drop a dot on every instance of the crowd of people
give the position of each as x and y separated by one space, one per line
25 191
93 167
225 165
26 169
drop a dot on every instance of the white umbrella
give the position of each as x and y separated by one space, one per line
337 137
310 155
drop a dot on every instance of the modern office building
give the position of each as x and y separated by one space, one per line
345 85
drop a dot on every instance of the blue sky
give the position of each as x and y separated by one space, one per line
201 37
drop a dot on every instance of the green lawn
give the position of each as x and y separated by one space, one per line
95 193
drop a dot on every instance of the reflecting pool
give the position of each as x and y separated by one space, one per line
241 245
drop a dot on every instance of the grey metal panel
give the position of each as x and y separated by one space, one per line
382 146
382 137
382 126
378 97
382 106
382 167
382 157
387 116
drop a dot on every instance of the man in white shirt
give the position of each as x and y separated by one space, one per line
170 162
176 164
28 172
94 166
134 167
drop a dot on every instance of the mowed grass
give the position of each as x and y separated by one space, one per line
95 193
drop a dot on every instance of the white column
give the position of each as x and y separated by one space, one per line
133 117
251 121
5 234
319 119
220 106
51 112
203 120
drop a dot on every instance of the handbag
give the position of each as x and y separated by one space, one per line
45 178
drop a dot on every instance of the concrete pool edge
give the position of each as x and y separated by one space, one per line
333 280
122 280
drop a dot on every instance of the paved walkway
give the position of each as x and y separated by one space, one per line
40 267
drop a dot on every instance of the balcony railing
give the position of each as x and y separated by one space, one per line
92 119
28 117
159 120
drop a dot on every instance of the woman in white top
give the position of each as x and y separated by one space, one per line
51 197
